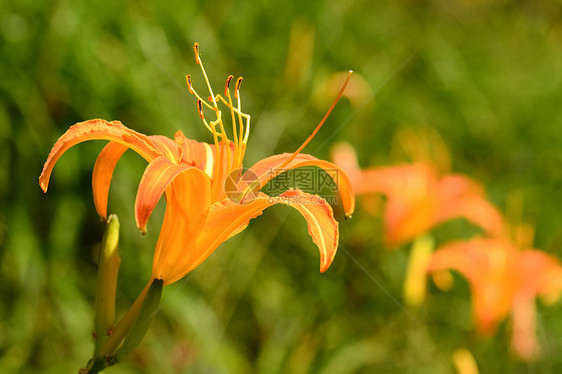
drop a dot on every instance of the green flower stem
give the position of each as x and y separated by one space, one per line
98 365
142 323
140 318
114 340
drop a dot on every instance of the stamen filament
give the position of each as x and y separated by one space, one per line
235 162
198 60
223 134
227 95
237 97
340 93
220 137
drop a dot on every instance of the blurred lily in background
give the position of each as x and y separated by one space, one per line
420 195
209 197
418 199
503 280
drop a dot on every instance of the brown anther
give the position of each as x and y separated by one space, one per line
227 84
94 335
109 332
237 87
200 109
196 50
189 86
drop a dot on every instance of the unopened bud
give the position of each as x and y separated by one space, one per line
107 280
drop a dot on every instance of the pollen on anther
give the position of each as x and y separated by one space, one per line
227 85
237 87
196 50
189 86
200 109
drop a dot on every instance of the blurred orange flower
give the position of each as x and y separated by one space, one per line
503 280
418 199
200 212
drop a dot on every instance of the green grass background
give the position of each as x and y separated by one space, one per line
487 75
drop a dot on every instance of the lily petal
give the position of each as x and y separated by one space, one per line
226 218
408 181
477 210
418 200
322 226
269 168
345 157
167 147
462 197
156 178
539 274
184 220
102 174
96 129
198 154
405 219
490 267
524 337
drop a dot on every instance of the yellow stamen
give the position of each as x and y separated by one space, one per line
237 88
219 122
240 129
235 162
239 111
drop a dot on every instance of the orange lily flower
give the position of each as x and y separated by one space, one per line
199 215
418 199
200 212
503 280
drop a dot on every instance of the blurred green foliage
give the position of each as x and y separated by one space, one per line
485 74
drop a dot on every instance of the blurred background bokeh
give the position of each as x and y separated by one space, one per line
486 75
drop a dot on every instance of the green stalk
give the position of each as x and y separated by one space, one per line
139 328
